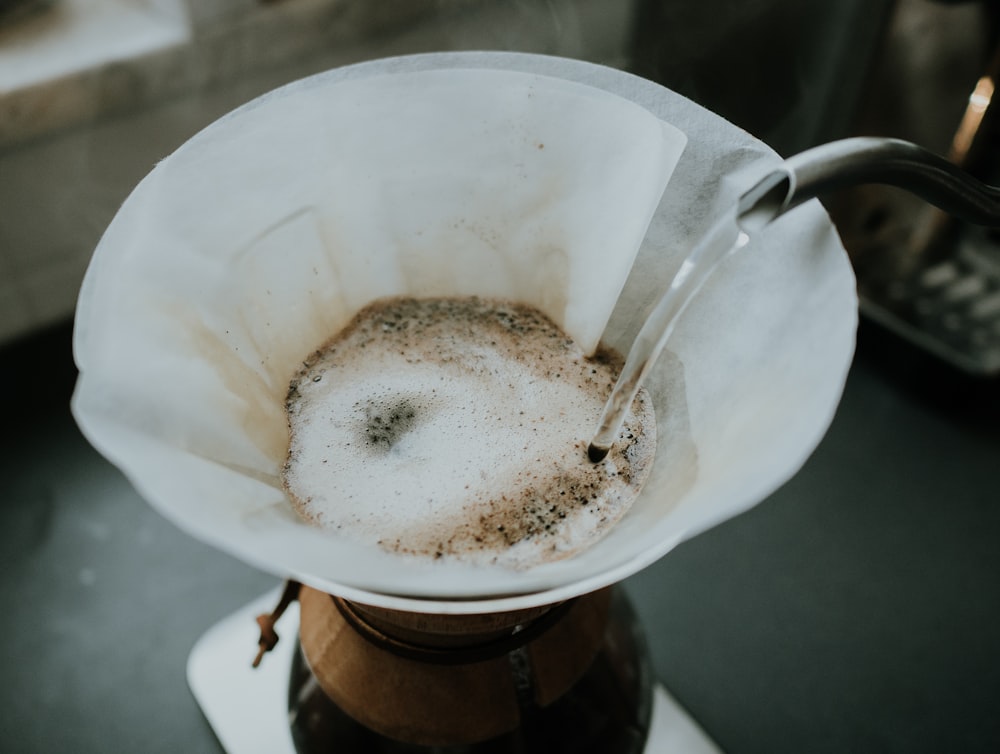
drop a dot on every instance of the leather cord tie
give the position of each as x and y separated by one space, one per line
268 636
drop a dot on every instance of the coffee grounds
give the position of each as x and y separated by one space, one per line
458 428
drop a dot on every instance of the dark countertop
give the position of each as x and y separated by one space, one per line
857 609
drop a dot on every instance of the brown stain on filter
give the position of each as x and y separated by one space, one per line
260 404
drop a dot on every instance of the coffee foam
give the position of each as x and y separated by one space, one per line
458 428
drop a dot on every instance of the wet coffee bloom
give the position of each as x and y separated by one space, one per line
456 428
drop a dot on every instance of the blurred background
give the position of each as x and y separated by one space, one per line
855 610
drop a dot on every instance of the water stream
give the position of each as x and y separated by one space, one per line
724 238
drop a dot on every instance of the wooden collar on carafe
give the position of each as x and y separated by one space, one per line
447 679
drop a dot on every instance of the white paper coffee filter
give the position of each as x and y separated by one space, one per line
468 173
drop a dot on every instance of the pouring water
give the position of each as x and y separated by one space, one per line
817 171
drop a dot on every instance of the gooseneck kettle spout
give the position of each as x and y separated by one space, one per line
865 159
